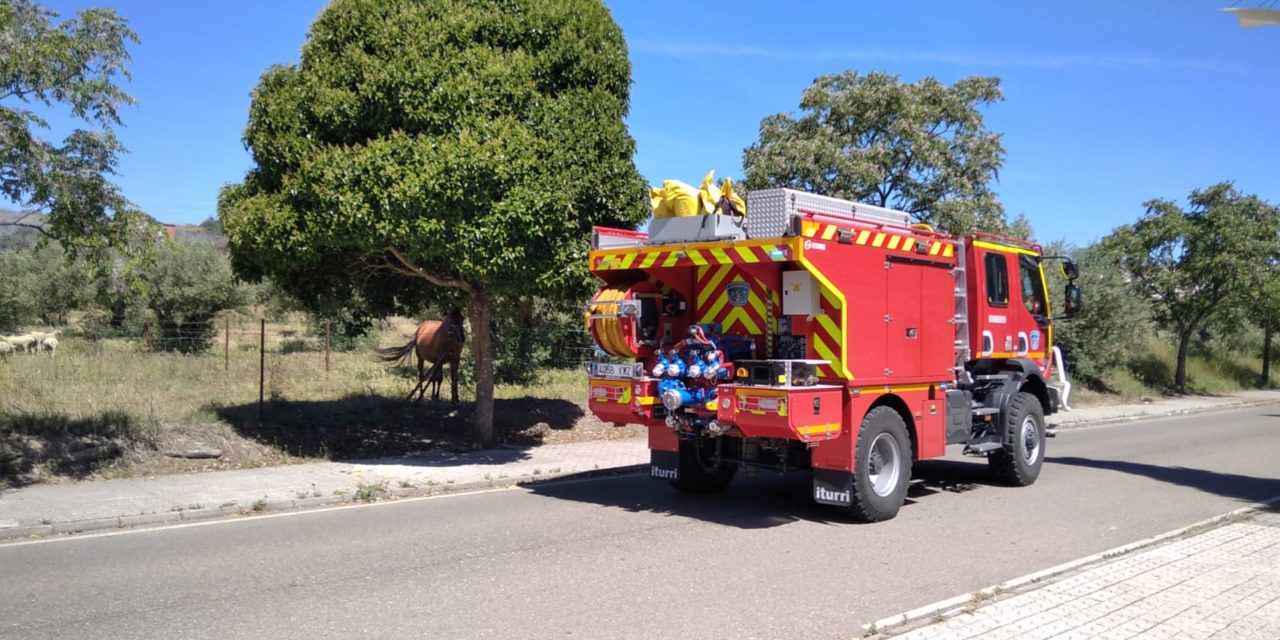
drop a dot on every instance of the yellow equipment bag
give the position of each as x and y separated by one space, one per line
676 198
708 194
733 200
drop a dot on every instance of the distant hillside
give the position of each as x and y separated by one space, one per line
18 237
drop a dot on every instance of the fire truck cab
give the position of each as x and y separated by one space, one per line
828 336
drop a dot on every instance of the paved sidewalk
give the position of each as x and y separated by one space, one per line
105 504
1220 581
1161 407
93 505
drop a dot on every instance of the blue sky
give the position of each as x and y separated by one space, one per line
1107 104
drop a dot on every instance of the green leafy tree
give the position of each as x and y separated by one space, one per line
73 64
453 152
1265 308
41 284
1193 263
187 285
16 308
1114 321
920 147
58 285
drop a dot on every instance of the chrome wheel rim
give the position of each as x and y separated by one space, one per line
883 466
1030 440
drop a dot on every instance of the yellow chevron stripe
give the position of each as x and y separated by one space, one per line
829 232
908 244
748 256
893 242
670 260
715 309
628 259
721 257
862 237
649 259
757 304
825 352
697 258
935 248
713 285
808 229
829 296
830 325
740 315
879 240
947 251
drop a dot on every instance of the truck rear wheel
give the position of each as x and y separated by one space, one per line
882 466
699 472
1018 463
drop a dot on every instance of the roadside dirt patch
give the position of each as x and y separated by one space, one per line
357 427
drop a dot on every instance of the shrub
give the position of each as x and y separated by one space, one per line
186 287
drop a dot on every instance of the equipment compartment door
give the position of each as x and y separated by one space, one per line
902 320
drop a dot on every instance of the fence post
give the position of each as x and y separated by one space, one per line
262 364
226 343
326 347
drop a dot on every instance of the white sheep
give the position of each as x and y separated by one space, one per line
51 343
5 348
24 341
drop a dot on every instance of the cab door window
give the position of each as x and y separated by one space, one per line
997 280
1033 294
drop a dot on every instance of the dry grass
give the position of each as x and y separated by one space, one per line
151 402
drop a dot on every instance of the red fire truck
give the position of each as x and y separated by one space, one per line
828 336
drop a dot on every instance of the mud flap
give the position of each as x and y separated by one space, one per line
833 487
664 465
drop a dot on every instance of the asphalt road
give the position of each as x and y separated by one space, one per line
629 557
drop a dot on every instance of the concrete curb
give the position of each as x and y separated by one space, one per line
951 607
259 507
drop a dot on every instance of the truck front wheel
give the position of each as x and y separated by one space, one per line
1018 463
699 470
883 466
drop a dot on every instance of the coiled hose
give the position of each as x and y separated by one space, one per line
605 323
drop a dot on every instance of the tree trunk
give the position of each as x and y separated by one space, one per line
482 350
1180 374
1265 379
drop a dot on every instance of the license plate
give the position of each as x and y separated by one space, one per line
610 370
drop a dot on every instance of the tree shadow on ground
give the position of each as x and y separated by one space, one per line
1152 372
34 444
372 426
767 499
1228 485
1244 375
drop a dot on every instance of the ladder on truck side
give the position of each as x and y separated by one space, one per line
961 318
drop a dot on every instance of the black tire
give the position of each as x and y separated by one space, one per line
698 473
882 440
1019 462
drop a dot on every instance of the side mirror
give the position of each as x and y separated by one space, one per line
1070 270
1074 301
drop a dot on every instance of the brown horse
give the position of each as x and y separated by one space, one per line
438 342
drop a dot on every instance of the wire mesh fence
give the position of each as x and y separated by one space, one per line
240 368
